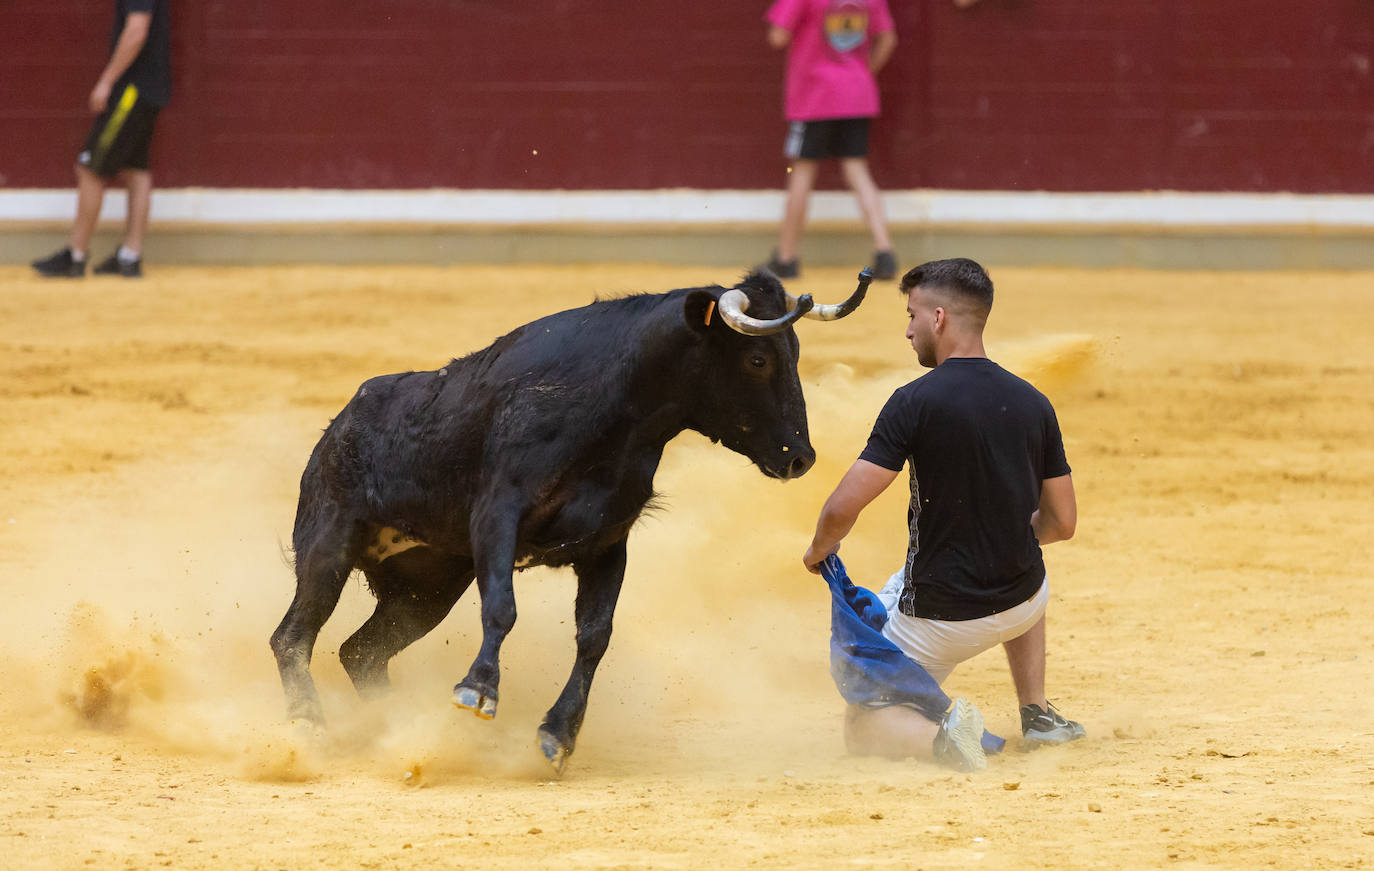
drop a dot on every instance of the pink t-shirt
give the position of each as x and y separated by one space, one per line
827 61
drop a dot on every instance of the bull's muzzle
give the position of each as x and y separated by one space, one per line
796 462
800 465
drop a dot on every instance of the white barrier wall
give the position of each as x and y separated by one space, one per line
697 207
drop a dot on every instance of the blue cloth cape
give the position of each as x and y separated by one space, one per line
867 668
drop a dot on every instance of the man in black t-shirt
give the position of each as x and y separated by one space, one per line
989 486
134 86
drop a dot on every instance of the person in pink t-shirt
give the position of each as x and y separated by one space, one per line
835 47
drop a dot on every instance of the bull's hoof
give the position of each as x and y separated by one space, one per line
554 750
481 704
308 712
307 731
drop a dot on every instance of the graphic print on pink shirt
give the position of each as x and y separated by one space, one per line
846 24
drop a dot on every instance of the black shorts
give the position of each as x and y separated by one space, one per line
820 140
120 136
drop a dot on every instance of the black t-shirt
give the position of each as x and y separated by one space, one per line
151 71
979 442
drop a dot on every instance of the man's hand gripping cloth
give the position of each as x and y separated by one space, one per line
868 669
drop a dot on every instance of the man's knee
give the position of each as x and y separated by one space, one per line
854 167
136 178
894 732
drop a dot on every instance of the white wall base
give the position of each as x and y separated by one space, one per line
698 207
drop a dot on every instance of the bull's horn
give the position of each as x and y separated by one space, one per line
838 310
733 303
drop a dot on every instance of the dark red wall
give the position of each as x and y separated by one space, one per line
1255 95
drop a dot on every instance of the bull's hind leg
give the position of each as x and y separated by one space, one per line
415 591
322 567
598 589
494 543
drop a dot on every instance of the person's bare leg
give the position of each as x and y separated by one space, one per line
139 183
895 732
800 181
1026 659
90 195
857 176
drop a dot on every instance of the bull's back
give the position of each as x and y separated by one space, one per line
418 448
395 451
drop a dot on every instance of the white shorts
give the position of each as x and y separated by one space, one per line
940 645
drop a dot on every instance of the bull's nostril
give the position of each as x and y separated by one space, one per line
799 466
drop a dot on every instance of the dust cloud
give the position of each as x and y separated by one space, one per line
1209 623
155 592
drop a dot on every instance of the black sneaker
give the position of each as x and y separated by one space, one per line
783 268
60 265
112 265
1039 726
884 265
959 743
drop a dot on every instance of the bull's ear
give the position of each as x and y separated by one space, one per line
699 309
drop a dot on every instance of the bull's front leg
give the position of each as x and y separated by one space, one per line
494 558
598 588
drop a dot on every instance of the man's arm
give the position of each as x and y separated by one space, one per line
859 486
1057 516
883 46
130 43
778 37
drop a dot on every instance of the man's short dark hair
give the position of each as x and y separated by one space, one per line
959 275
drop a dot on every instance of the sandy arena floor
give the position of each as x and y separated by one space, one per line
1212 624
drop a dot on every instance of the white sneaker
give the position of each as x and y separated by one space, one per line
959 743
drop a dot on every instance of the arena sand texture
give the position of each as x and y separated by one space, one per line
1212 623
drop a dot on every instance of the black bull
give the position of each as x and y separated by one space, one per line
539 450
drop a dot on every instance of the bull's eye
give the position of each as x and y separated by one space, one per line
758 361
